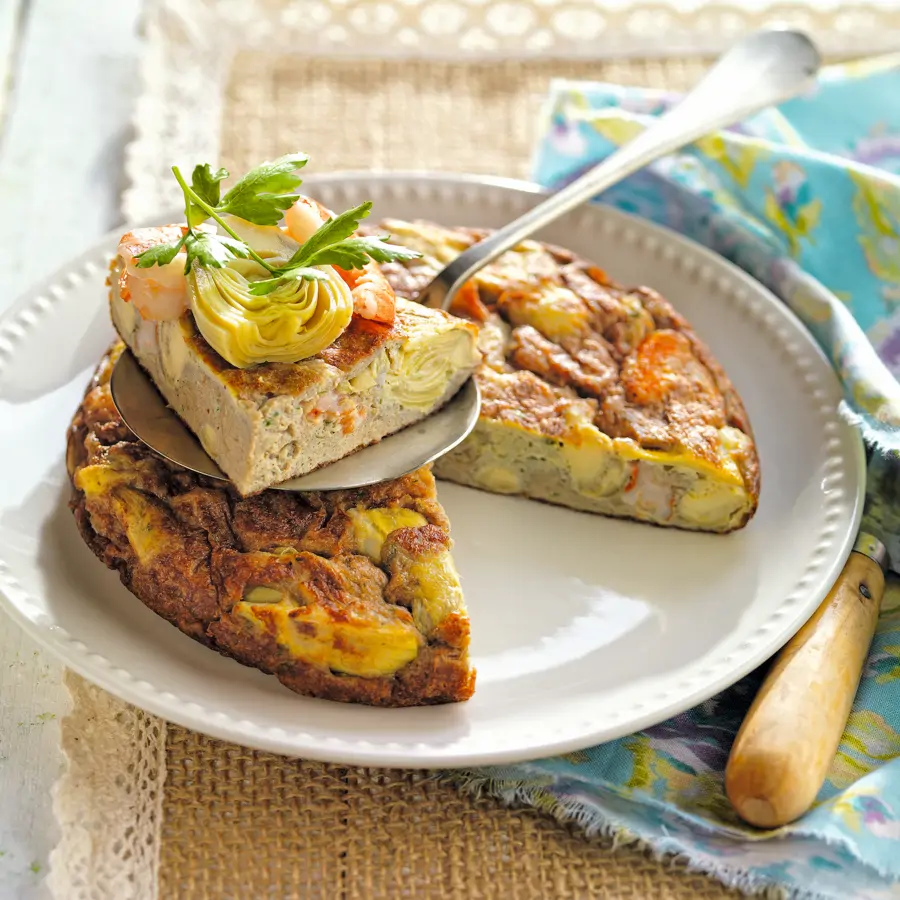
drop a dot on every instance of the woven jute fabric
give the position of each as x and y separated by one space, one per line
407 115
249 825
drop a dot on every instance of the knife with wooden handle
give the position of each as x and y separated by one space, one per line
791 733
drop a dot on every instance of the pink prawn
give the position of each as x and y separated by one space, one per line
157 292
373 296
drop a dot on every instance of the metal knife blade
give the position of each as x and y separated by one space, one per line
879 530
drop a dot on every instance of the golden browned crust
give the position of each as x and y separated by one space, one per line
355 347
360 341
625 352
191 550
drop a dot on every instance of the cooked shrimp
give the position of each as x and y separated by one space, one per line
305 217
157 292
373 297
467 303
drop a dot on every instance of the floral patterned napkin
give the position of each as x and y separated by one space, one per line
807 199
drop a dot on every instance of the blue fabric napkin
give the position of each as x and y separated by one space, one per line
807 199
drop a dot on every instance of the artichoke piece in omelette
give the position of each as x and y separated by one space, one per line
349 595
595 396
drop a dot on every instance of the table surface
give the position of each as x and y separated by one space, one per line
68 77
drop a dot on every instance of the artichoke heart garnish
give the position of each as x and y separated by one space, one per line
293 322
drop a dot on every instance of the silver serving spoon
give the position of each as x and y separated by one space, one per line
761 70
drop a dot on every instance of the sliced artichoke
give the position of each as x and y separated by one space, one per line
419 373
269 241
293 322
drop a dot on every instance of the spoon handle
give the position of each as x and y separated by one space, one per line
763 69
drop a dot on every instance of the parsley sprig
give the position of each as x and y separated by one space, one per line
261 197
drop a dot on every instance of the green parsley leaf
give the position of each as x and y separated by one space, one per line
264 193
159 254
329 233
237 248
212 250
261 197
354 253
206 184
261 288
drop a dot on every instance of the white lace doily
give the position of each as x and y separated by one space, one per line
109 801
190 44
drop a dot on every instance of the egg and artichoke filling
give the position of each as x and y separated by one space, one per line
418 370
366 639
586 470
369 644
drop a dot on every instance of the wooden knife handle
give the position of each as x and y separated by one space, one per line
791 733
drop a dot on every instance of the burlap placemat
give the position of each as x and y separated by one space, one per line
407 115
244 824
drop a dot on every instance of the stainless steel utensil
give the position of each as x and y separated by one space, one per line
763 69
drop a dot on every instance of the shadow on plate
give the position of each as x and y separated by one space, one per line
53 354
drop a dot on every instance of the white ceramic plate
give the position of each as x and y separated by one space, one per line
583 628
